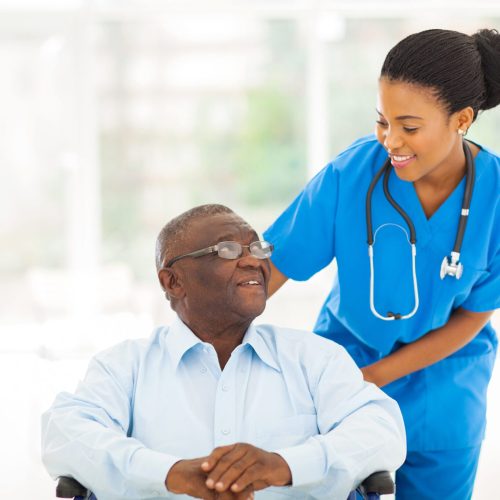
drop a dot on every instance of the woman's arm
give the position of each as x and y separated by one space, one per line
276 281
436 345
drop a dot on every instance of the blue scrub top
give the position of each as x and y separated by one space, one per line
443 405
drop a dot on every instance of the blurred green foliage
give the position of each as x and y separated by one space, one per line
263 161
270 162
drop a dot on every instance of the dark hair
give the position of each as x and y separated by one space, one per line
461 70
174 232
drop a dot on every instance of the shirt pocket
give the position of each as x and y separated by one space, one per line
288 431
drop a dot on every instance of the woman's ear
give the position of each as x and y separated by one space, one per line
465 117
171 283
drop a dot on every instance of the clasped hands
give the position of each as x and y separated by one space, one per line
230 472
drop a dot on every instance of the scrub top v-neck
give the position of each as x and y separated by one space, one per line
327 221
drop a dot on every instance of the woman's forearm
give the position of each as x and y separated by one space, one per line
436 345
277 280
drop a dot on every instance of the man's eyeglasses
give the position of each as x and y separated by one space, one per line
230 250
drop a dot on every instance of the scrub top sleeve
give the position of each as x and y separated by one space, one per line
485 295
303 235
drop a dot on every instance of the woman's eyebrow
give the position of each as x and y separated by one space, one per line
403 117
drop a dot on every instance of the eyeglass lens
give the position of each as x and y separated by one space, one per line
233 249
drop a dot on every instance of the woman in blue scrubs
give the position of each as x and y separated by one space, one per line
435 357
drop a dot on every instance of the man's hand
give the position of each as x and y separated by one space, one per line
188 477
238 466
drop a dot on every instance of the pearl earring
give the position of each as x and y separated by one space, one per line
461 131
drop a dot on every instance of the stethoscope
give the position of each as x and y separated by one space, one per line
451 265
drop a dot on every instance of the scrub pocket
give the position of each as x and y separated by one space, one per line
456 389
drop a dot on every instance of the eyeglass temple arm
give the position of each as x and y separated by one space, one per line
197 253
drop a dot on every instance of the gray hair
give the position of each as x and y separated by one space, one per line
173 233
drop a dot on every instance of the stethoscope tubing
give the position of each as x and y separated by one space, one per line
394 316
469 186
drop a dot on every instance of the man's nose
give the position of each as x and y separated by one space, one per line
247 259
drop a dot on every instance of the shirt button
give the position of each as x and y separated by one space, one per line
225 431
225 388
203 370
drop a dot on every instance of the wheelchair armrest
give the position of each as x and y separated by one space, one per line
378 482
67 487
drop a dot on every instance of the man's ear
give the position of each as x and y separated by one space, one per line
171 283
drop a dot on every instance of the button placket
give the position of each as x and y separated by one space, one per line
225 406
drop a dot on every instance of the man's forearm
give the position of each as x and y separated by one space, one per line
361 431
100 457
368 440
436 345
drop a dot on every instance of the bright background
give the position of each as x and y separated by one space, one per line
118 115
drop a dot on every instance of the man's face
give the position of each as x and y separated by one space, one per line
222 290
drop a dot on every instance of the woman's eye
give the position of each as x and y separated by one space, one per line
410 129
382 124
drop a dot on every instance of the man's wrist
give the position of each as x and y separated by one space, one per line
282 472
173 475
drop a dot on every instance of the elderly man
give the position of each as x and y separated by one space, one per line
215 406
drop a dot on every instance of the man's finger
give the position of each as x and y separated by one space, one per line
223 464
252 476
198 488
235 470
209 463
246 494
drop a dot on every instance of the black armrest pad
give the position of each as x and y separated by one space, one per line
67 487
378 482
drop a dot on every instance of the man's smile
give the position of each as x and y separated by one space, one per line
255 281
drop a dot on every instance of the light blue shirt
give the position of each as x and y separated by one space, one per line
145 404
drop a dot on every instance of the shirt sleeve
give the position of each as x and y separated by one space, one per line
485 295
84 436
361 432
303 235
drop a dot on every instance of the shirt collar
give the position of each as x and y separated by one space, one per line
254 338
181 339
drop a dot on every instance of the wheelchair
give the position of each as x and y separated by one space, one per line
378 483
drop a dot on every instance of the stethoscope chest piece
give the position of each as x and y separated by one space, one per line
451 267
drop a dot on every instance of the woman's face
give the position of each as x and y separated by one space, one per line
419 135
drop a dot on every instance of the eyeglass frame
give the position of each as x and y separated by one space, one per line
214 249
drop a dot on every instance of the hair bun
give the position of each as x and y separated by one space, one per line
488 45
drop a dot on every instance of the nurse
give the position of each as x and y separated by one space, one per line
423 335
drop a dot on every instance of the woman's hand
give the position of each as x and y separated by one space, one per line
434 346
